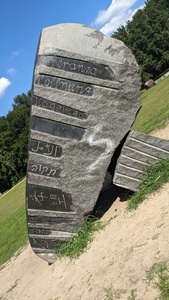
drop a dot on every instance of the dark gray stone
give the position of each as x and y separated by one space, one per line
44 148
57 107
76 66
139 151
46 198
70 86
43 170
57 128
85 96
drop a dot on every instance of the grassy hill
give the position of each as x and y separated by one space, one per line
155 108
153 114
12 221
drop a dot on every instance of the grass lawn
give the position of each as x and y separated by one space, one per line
155 108
12 222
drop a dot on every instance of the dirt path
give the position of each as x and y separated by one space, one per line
114 264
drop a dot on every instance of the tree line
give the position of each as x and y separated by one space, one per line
14 129
147 35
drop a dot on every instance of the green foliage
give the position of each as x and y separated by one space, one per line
147 35
158 274
14 130
155 108
75 247
133 295
112 294
12 222
156 176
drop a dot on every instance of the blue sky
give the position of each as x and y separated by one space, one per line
21 22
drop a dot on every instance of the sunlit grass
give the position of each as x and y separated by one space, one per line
156 176
13 229
154 113
75 247
158 274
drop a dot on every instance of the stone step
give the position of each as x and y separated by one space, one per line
139 151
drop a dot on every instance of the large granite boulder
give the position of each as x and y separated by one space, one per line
85 96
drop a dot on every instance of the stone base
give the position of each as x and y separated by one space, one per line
139 151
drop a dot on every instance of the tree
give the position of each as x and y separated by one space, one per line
14 142
147 35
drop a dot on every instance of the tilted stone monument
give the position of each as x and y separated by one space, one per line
85 97
139 152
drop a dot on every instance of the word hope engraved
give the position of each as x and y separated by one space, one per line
45 148
64 84
45 198
43 170
76 66
62 109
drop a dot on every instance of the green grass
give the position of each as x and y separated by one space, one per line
133 295
154 113
112 294
158 274
156 176
12 222
75 247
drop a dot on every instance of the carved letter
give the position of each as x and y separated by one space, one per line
51 171
34 168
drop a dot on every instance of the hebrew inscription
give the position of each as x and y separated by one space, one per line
62 109
57 129
64 84
45 198
43 170
76 66
45 148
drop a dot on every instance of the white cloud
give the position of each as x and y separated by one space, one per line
11 71
117 14
14 54
4 83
